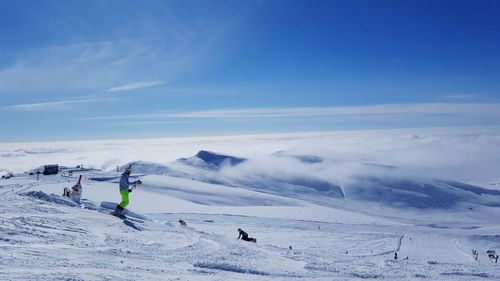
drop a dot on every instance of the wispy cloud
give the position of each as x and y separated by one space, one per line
425 108
136 85
461 97
97 66
68 67
53 105
172 41
153 122
382 109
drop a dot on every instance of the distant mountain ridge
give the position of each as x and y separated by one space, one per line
390 190
211 160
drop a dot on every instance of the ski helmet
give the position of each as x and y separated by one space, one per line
128 170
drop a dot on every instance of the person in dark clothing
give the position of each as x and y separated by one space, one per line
244 236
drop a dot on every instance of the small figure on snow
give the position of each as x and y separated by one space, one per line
66 192
125 189
75 193
492 255
475 254
244 236
182 223
395 256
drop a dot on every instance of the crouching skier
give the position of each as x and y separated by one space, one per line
244 236
125 189
75 193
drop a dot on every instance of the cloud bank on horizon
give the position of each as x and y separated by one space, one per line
470 155
118 69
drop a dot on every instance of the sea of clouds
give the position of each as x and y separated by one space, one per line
465 154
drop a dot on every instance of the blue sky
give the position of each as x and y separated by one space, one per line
131 69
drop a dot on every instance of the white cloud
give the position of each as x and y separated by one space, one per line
468 154
78 66
100 65
53 105
492 109
461 97
136 85
424 108
153 122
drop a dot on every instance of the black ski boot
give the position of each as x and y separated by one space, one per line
118 211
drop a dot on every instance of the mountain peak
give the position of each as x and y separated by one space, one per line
218 160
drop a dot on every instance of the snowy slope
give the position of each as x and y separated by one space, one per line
43 236
316 216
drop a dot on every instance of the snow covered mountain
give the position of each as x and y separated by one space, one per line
315 216
211 161
389 189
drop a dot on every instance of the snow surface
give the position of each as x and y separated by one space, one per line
318 212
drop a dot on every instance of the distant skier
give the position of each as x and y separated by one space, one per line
66 192
492 255
475 254
125 189
75 193
244 236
